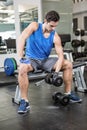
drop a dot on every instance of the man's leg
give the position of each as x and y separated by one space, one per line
67 75
24 84
67 68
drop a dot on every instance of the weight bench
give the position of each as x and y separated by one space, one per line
78 76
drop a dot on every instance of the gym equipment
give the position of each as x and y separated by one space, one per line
17 97
54 78
85 74
76 43
65 38
82 32
82 43
58 97
10 65
77 32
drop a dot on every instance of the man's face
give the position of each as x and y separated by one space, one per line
51 26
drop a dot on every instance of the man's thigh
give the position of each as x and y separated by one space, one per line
49 63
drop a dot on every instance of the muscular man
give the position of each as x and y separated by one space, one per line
41 37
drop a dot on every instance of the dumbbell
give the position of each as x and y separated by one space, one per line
82 32
75 43
53 78
77 32
58 97
82 43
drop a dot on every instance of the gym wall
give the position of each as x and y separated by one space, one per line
64 7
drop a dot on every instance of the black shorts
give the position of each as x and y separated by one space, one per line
46 64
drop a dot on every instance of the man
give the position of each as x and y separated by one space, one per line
41 37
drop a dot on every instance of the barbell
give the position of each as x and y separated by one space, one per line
10 65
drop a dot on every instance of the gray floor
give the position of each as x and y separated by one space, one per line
43 115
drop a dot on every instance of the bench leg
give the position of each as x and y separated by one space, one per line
17 97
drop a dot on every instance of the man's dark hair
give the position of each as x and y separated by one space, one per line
52 16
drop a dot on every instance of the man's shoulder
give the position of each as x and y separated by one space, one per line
34 25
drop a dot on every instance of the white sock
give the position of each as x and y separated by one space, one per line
68 93
25 99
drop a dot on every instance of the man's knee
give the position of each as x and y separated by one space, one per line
68 65
24 69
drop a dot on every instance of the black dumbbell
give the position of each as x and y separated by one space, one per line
58 97
48 78
76 43
77 32
82 43
54 78
82 32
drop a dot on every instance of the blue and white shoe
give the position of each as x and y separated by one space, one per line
24 107
74 98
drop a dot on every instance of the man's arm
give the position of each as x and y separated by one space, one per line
59 51
24 35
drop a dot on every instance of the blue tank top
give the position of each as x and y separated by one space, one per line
37 46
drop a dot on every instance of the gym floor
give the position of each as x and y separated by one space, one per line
43 115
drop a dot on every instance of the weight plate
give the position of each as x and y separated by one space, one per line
48 78
65 100
56 95
15 64
8 66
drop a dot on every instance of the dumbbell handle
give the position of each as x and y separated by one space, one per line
57 80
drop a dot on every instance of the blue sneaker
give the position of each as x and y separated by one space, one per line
74 98
24 107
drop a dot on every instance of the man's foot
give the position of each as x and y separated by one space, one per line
74 98
24 107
